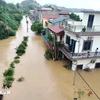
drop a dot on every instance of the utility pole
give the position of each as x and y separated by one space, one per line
74 80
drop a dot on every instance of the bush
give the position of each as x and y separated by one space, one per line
48 54
25 38
50 37
20 52
17 57
7 83
10 32
5 32
8 72
16 61
9 78
36 26
24 43
21 79
20 49
12 65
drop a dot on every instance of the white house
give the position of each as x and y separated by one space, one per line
83 41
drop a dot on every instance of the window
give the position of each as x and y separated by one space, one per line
87 45
68 40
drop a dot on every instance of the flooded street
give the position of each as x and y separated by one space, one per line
44 80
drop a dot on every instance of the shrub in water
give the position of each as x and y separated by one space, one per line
24 43
12 65
16 61
20 79
9 72
9 78
17 57
25 38
48 54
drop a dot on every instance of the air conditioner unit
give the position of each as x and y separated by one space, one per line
90 38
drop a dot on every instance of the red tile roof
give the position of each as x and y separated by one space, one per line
50 16
63 13
56 29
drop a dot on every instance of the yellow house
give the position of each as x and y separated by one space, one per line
46 17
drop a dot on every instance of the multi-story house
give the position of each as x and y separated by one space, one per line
47 14
82 40
78 41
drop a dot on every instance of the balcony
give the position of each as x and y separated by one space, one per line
74 56
84 55
78 27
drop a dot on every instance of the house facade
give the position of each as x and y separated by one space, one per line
82 39
47 14
77 41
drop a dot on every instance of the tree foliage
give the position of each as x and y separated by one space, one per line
9 72
10 18
28 5
75 17
37 26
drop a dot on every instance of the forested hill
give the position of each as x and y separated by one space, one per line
27 5
10 17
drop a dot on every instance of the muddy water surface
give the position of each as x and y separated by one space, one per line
44 80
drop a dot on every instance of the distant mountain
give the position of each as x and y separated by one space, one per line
27 5
66 9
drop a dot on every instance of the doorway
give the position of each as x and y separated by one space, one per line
97 65
80 66
90 21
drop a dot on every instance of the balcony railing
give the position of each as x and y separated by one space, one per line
71 56
85 55
80 28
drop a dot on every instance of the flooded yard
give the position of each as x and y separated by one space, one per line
44 80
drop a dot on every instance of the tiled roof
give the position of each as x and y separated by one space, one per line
63 13
56 29
50 16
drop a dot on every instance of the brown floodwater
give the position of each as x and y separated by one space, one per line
44 80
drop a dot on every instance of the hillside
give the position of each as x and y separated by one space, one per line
10 18
27 5
64 8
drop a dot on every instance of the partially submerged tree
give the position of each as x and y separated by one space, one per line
37 26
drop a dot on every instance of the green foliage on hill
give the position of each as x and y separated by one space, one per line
10 18
27 5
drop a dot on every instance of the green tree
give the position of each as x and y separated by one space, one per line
9 72
37 26
75 17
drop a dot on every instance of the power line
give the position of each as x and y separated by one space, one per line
88 85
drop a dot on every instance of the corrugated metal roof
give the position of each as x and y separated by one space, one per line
57 20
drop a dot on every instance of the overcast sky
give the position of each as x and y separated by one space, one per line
91 4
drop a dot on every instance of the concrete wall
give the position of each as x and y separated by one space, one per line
95 44
86 62
96 18
43 22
